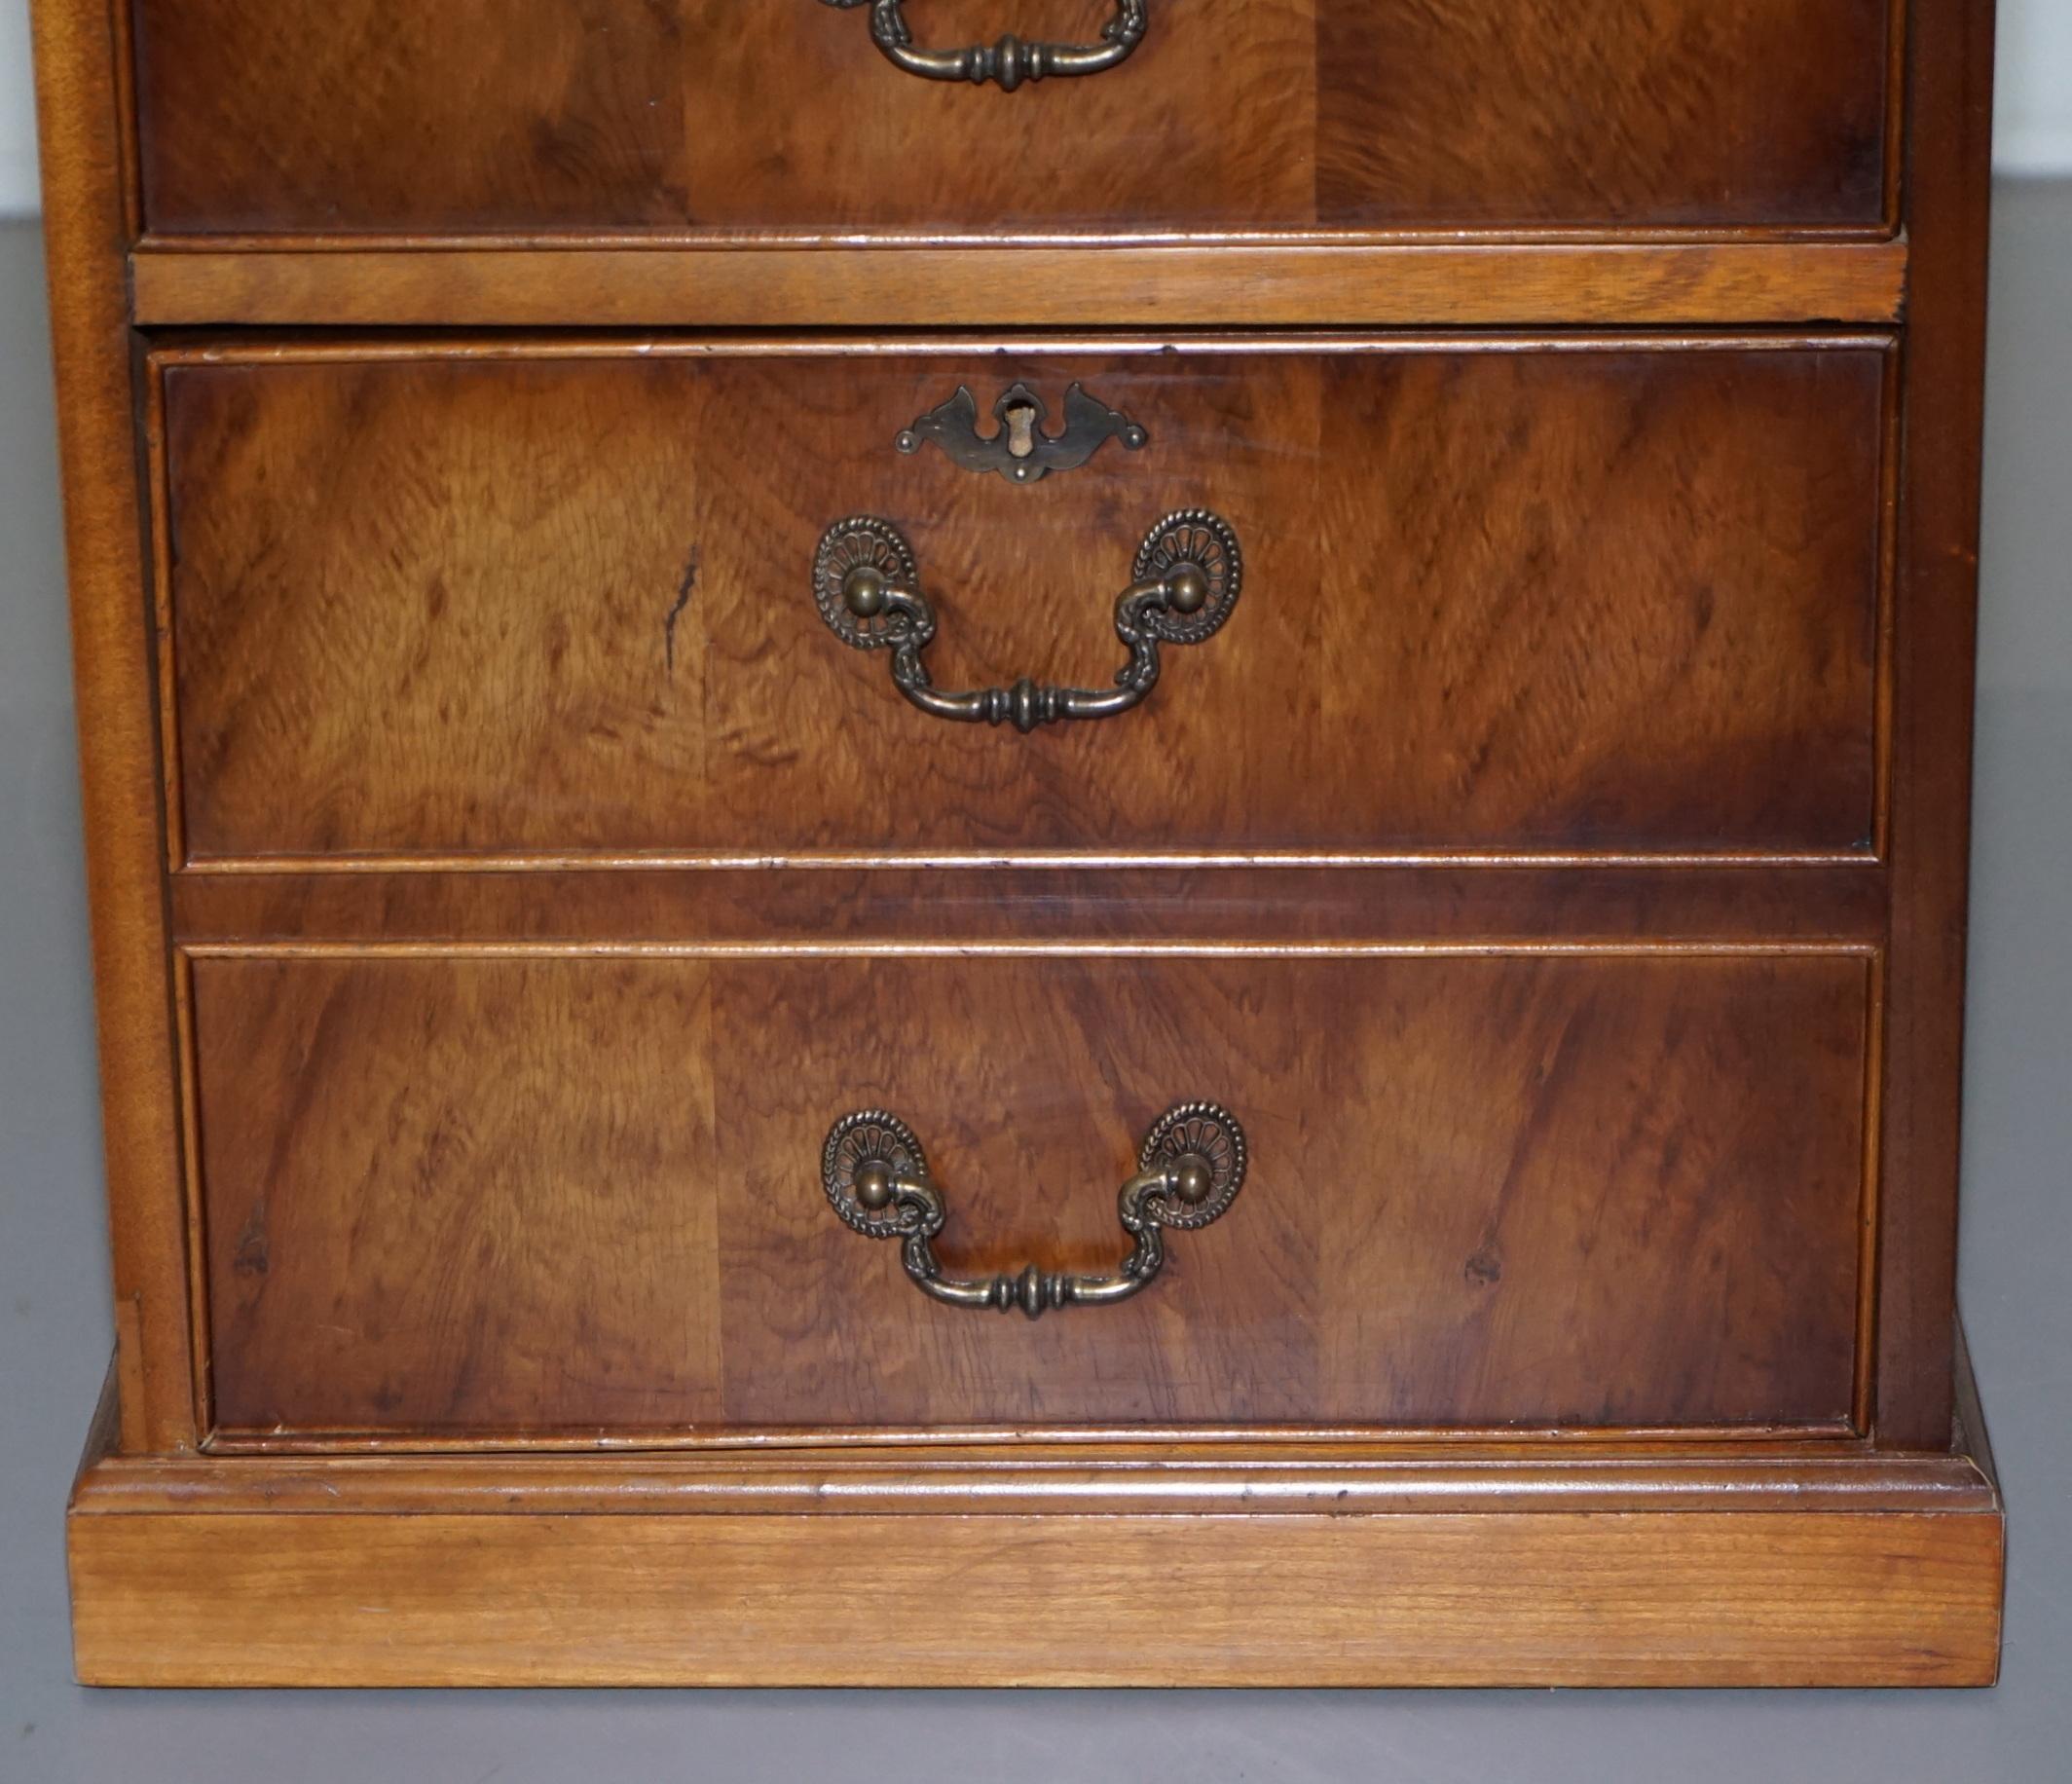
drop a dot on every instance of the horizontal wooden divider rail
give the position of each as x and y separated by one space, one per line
459 283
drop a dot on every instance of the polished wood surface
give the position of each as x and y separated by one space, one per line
1511 113
655 114
444 1197
1284 1473
524 283
1522 595
1934 645
538 1193
1523 1598
1561 857
840 909
1465 1563
85 224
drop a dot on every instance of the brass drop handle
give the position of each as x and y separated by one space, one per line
1010 61
1189 1171
1186 579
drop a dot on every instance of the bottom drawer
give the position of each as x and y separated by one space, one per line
544 1193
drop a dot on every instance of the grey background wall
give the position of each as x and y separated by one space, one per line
2035 121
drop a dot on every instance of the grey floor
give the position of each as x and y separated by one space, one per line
2017 1249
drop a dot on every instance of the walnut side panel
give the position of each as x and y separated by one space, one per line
85 227
1933 636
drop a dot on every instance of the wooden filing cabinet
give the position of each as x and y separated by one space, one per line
914 864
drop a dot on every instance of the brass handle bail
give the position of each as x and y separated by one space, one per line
1186 578
1009 63
1190 1170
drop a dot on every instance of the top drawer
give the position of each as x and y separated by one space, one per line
324 116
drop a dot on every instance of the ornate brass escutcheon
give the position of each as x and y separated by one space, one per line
1189 1171
1010 61
1019 449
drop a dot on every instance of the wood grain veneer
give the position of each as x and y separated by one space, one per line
1547 595
524 1193
620 114
838 907
1745 1599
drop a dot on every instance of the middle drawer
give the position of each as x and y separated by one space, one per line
1458 595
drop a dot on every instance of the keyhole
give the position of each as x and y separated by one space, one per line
1021 419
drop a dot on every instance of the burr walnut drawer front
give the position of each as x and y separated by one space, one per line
538 1193
811 116
1297 598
